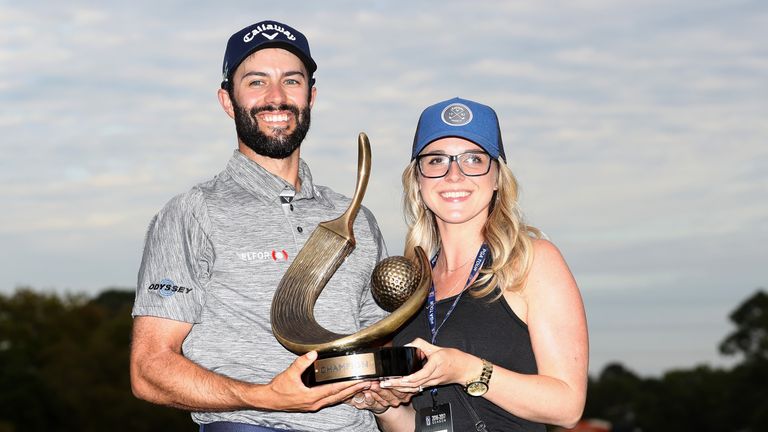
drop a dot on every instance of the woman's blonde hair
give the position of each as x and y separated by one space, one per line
505 233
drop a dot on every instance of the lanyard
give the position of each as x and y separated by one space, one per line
431 315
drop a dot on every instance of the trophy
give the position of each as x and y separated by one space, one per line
398 285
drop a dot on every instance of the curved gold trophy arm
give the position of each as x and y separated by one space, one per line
298 331
292 314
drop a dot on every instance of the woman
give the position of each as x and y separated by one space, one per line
504 329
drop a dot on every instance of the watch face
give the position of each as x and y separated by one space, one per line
477 388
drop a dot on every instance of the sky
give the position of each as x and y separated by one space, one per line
637 131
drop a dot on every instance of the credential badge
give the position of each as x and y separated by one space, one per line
456 114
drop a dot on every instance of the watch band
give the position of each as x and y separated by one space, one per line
479 386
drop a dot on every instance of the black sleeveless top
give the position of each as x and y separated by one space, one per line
488 330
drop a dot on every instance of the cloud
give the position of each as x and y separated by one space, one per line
637 131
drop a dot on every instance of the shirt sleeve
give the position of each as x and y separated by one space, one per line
178 257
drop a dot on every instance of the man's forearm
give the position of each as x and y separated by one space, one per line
171 379
161 374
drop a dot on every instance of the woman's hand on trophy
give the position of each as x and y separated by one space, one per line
365 400
378 399
400 386
443 366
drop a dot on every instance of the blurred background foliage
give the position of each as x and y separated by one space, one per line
64 367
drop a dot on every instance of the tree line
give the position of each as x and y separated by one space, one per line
697 399
64 367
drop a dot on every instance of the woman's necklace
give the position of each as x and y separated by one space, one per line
450 291
459 280
448 270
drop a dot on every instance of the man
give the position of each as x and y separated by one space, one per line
214 256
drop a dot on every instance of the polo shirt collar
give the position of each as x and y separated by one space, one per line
266 186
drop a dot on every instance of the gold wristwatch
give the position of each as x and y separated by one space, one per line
478 386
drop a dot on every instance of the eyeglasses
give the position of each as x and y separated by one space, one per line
471 164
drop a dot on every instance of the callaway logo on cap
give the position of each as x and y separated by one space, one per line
265 34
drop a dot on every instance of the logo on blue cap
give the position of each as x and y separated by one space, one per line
460 118
456 115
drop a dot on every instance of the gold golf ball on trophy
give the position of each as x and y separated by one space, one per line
393 281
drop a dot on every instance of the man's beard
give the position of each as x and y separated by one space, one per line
279 146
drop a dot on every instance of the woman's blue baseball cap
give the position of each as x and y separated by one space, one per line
460 118
265 34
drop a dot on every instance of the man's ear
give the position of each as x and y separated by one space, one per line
312 94
226 102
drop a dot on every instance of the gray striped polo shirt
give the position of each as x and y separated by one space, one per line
214 256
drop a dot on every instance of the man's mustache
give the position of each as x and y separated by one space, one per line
283 107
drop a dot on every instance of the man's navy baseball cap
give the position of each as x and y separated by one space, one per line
265 34
460 118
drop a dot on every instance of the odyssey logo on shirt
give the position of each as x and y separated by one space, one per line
167 288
